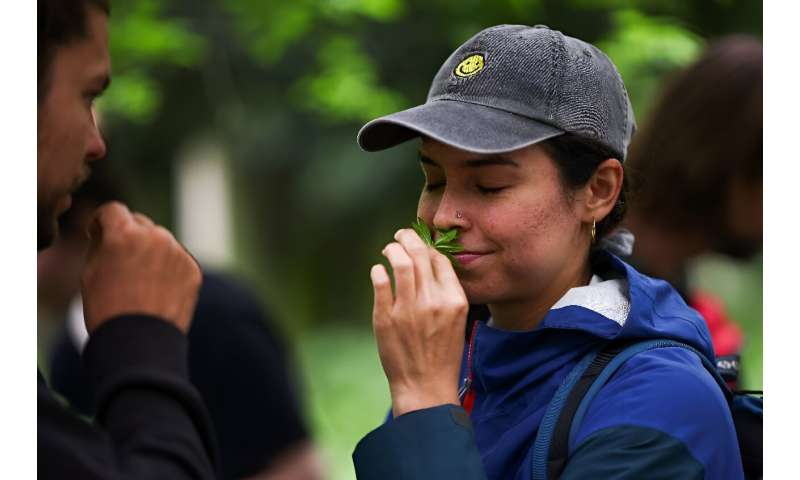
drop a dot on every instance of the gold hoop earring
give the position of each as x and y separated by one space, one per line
594 231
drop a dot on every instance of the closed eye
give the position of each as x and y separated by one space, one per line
430 187
490 191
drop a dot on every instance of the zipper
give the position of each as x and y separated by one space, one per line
466 394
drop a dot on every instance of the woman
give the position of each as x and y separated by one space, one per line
523 137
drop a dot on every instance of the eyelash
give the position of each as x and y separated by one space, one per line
490 191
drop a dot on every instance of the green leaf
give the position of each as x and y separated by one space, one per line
444 244
423 231
450 248
446 237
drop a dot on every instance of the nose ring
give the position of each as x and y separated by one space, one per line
459 214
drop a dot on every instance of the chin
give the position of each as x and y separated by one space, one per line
478 294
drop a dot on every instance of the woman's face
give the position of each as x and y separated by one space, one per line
520 232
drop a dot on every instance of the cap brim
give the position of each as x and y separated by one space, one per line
466 126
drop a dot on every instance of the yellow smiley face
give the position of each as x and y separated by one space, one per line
470 66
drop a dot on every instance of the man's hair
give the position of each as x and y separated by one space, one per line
577 158
704 133
60 22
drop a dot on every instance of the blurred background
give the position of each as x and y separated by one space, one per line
233 122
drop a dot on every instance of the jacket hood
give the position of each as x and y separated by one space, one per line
655 309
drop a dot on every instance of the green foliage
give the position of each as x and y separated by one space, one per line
645 49
445 242
268 28
135 96
144 40
145 36
346 87
380 10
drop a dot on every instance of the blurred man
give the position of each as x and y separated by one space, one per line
701 148
237 360
139 285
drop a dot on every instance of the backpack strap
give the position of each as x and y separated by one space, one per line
565 413
541 445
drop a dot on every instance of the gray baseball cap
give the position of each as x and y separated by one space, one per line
511 86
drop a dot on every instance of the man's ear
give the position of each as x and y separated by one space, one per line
602 190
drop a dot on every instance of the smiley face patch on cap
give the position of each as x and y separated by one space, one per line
470 66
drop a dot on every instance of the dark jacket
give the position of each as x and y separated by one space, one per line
660 416
150 423
232 341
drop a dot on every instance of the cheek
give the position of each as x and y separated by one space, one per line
539 233
61 143
47 153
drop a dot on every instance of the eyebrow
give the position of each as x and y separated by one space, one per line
475 162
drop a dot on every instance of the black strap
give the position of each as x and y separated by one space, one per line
559 446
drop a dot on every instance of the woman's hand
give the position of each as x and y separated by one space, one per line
419 329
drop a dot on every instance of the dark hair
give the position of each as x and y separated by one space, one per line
704 133
577 158
60 22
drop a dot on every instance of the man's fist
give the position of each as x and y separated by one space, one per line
136 267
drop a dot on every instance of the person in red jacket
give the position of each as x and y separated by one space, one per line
697 171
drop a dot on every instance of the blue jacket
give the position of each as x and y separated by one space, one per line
661 415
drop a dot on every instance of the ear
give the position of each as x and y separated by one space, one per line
602 190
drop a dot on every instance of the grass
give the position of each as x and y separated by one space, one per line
347 394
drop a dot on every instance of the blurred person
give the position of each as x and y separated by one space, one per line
139 285
524 136
237 361
697 168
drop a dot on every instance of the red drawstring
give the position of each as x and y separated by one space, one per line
467 393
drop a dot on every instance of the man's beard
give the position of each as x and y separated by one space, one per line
46 227
47 221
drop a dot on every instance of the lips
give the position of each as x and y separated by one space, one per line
466 257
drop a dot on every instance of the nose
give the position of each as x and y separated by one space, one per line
451 213
96 147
